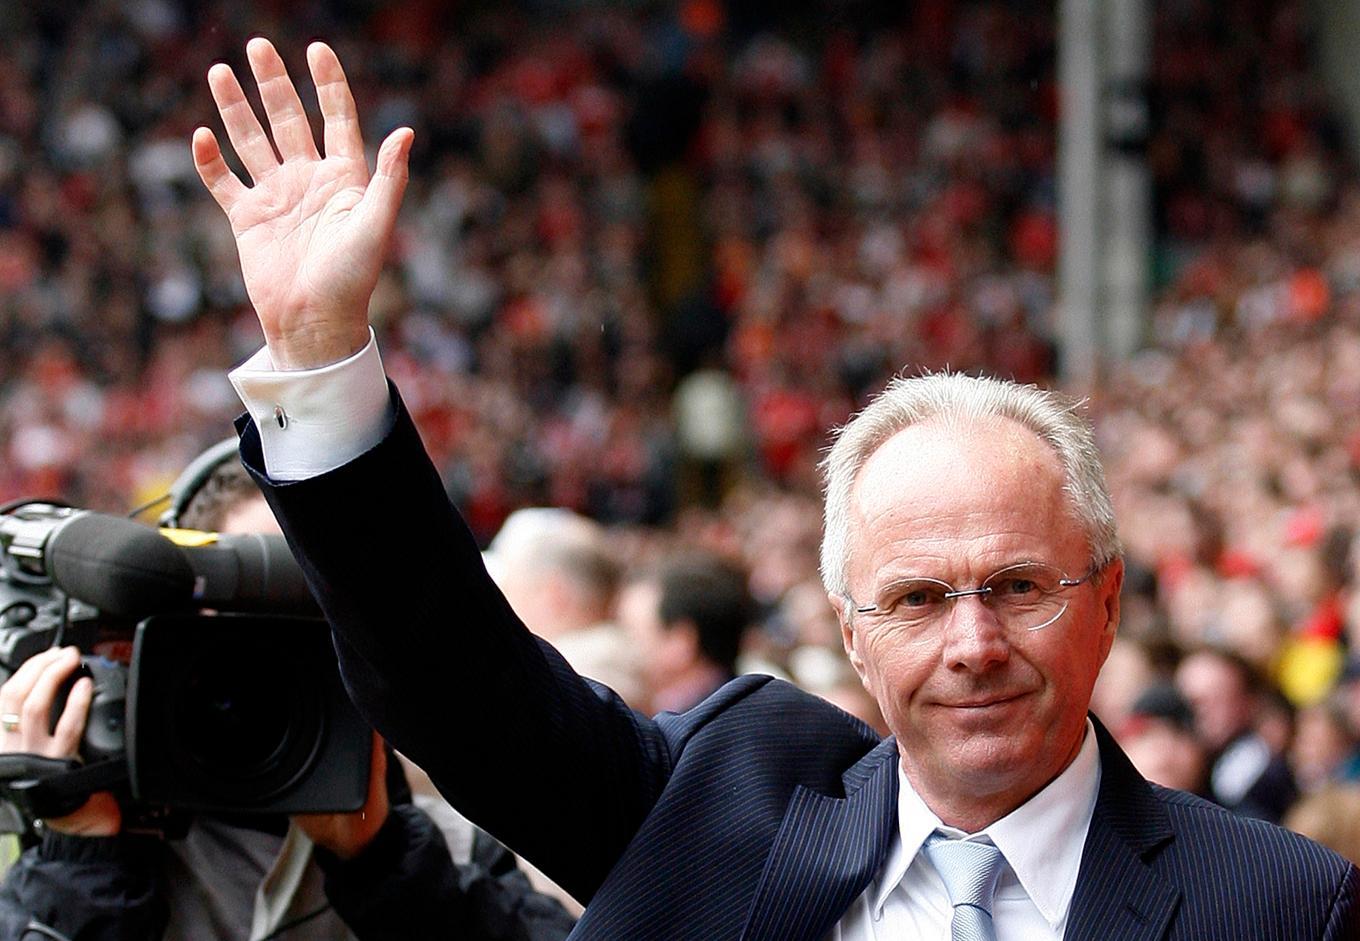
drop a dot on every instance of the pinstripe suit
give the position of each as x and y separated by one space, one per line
762 813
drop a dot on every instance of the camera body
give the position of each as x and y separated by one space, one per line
197 707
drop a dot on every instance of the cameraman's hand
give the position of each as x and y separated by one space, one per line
29 694
346 835
312 231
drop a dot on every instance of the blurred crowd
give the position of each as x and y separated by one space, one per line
650 253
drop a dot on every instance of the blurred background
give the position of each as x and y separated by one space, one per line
651 252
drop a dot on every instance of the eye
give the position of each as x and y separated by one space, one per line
1015 587
917 597
1022 583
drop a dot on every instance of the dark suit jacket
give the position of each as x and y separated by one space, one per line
760 814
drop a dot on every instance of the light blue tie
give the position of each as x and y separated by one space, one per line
970 871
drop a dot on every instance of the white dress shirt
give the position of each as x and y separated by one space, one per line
1042 841
313 421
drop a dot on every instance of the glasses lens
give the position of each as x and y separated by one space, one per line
1027 596
920 600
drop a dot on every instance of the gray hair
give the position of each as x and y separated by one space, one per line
537 540
1051 416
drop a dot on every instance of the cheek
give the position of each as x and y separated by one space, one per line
1072 667
894 672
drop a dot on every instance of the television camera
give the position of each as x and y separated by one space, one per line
215 683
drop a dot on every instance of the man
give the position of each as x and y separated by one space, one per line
556 570
686 618
384 871
763 813
1245 776
1159 737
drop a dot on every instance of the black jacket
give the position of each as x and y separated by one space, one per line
404 885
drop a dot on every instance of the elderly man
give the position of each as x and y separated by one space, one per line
969 551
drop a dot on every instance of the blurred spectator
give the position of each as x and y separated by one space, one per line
1127 672
1159 737
560 577
686 618
1326 749
1245 776
1331 816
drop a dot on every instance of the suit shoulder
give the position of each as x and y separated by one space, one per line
1260 846
757 698
758 717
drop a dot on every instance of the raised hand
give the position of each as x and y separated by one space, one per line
311 231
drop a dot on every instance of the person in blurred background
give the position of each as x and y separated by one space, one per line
1159 736
1326 749
1330 815
687 618
1245 776
558 573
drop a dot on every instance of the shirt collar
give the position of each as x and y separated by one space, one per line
1042 839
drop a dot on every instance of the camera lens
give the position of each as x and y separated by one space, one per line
238 715
245 731
242 714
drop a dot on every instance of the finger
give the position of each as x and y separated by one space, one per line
343 137
17 687
36 713
71 725
287 119
382 199
377 779
213 170
243 128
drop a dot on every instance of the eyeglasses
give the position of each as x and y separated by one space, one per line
1024 597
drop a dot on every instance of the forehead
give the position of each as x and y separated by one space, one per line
966 492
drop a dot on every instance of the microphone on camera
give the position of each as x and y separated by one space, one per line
128 569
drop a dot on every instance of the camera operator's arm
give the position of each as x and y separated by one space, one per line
405 885
84 879
389 875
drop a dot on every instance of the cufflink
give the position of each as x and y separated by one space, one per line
280 417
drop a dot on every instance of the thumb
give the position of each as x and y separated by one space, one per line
382 198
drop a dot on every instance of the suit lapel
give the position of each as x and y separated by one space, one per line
1119 897
826 852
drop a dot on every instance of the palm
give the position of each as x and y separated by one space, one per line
312 230
299 245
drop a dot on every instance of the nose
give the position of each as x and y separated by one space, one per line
975 640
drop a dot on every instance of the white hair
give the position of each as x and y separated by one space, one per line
1052 417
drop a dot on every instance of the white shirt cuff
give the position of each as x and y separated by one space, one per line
312 421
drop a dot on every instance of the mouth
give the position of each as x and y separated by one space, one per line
988 702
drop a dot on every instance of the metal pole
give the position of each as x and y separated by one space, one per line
1127 219
1078 189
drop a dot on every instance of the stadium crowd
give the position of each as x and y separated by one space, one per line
650 255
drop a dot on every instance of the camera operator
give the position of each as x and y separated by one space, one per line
383 872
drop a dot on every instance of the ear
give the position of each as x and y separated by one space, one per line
1111 583
843 615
